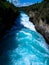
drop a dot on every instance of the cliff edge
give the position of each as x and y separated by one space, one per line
40 24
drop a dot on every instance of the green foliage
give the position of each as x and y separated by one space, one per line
8 14
3 0
41 8
46 0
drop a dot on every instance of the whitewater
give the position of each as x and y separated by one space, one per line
23 45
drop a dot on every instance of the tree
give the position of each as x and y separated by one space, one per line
3 0
46 0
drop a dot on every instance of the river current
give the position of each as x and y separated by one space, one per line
23 45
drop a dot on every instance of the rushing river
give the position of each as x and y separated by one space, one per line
23 45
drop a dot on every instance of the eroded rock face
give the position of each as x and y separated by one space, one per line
40 25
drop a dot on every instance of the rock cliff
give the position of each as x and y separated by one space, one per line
40 24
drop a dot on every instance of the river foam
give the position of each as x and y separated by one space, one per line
23 45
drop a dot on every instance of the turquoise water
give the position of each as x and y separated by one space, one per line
24 45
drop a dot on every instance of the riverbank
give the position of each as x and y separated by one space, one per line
39 15
8 14
40 25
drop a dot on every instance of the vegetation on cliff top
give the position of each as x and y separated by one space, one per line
42 9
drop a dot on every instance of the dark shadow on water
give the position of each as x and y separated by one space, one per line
9 43
6 59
